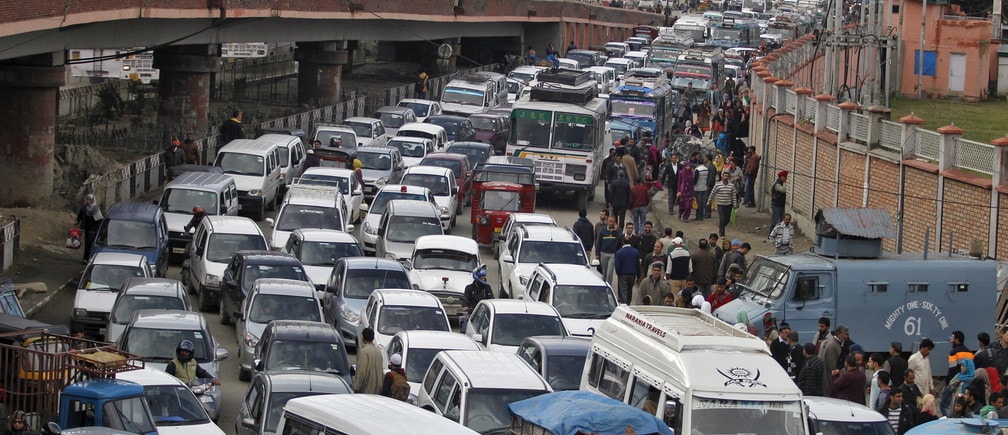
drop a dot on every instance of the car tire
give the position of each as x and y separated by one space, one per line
204 304
451 225
225 319
244 375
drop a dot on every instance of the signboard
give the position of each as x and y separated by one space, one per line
244 49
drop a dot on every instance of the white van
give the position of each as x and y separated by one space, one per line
215 241
216 193
474 387
474 93
361 414
693 371
292 156
432 132
255 166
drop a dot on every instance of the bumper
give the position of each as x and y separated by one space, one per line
247 203
246 356
452 302
209 292
177 243
555 186
92 326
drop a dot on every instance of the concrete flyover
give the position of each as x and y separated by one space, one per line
35 37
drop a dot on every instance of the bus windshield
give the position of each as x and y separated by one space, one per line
574 132
531 128
632 108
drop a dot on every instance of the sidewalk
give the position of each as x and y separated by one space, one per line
45 264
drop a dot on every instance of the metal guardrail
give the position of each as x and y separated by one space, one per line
10 241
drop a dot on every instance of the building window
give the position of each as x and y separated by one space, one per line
918 287
959 286
878 287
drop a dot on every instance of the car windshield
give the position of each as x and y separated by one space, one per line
454 165
513 87
523 76
393 319
392 120
853 427
108 276
128 415
326 137
584 302
476 154
767 278
361 282
417 362
444 259
470 97
241 164
282 271
406 229
500 200
487 410
451 128
277 401
159 344
382 199
326 253
222 246
511 329
128 303
438 184
307 355
420 109
267 307
380 161
483 122
326 180
361 129
183 200
564 371
294 216
174 405
409 149
122 234
535 252
722 416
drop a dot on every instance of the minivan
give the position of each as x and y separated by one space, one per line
361 414
292 156
216 193
215 241
473 93
433 132
255 166
135 228
401 224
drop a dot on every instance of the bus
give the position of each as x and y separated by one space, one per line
701 68
561 128
735 33
646 98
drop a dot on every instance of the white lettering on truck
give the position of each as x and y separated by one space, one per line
912 324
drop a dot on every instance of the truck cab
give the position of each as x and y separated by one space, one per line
111 403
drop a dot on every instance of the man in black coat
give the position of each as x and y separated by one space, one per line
584 230
232 128
619 196
668 175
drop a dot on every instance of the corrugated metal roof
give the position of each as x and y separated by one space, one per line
870 223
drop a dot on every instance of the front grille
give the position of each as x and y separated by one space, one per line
243 193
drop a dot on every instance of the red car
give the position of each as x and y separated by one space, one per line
460 165
490 129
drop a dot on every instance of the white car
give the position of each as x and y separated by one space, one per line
443 265
526 73
529 246
413 149
829 415
500 325
370 131
581 296
308 206
389 311
620 65
418 349
352 190
516 220
318 250
421 108
271 299
441 182
176 410
99 287
369 225
515 87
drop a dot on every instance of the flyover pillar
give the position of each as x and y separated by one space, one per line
184 87
28 132
320 71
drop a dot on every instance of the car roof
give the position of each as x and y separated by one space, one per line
361 119
329 171
417 100
247 146
232 225
550 233
518 306
558 345
449 242
306 381
418 339
133 211
414 139
267 257
409 189
279 286
494 369
198 180
420 126
469 144
169 319
152 286
149 377
453 118
304 330
408 418
117 259
377 149
830 409
445 156
428 170
392 109
323 235
573 274
411 207
532 218
371 263
408 297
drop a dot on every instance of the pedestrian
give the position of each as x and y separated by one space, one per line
679 265
796 356
778 198
984 356
629 162
720 296
476 291
530 56
912 395
626 263
198 213
688 291
779 348
640 199
957 355
647 239
725 197
570 47
668 175
231 129
629 235
823 332
89 218
311 159
174 156
192 151
782 236
830 350
751 171
896 365
584 229
812 379
701 188
654 285
921 365
605 173
734 256
358 172
875 363
735 176
421 87
394 383
684 193
19 424
666 240
657 255
928 411
608 241
368 378
849 384
704 266
701 304
602 223
619 195
899 415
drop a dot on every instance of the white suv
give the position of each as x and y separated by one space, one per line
369 225
443 266
215 241
370 131
527 246
441 182
583 299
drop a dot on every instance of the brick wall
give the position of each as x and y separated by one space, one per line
825 188
883 190
965 214
852 170
919 208
803 179
1002 227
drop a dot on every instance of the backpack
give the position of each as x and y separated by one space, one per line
400 388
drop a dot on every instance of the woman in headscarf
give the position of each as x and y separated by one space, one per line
18 424
357 171
88 219
927 412
685 192
982 383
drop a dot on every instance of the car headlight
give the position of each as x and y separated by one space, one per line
80 312
250 340
391 256
483 220
523 279
348 315
212 280
369 230
382 181
444 211
255 192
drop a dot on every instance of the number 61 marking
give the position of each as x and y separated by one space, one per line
912 326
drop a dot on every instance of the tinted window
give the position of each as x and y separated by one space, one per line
159 344
129 303
511 329
487 410
295 216
361 282
174 405
438 184
420 109
393 319
564 371
280 307
306 355
454 165
102 276
406 229
381 200
584 302
223 246
127 235
241 164
284 271
183 200
326 253
378 161
534 251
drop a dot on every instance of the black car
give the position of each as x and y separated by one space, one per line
458 128
478 152
246 267
302 345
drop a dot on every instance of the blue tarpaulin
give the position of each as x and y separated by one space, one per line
567 412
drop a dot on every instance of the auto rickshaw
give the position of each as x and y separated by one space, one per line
499 189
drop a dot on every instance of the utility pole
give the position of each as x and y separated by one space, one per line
920 53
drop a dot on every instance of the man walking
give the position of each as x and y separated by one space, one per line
679 265
725 197
778 197
751 170
368 378
174 156
701 188
654 286
619 196
605 173
626 263
812 377
669 177
606 244
921 366
584 230
232 128
782 236
704 267
899 414
640 198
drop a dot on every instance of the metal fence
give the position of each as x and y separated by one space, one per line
974 156
891 137
10 241
833 114
79 100
257 79
928 145
859 126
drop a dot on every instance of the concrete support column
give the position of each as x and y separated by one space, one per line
998 179
875 116
908 138
28 132
946 148
822 107
184 87
801 114
319 71
845 109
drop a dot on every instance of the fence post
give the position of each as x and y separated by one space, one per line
998 179
947 146
844 130
908 140
822 110
875 116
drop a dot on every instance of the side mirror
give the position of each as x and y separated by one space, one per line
248 423
594 262
257 364
350 228
407 263
353 369
231 282
239 315
221 354
479 338
271 222
507 258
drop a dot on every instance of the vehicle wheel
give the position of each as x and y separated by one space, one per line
474 233
204 303
244 375
225 319
582 199
459 208
591 193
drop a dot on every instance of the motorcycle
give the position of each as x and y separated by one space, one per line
203 388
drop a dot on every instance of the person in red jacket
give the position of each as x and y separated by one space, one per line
850 384
720 296
640 198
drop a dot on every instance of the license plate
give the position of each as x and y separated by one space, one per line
498 229
178 250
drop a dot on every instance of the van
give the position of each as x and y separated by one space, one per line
135 228
696 373
474 92
215 241
255 166
361 414
292 156
216 193
474 387
401 224
435 133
